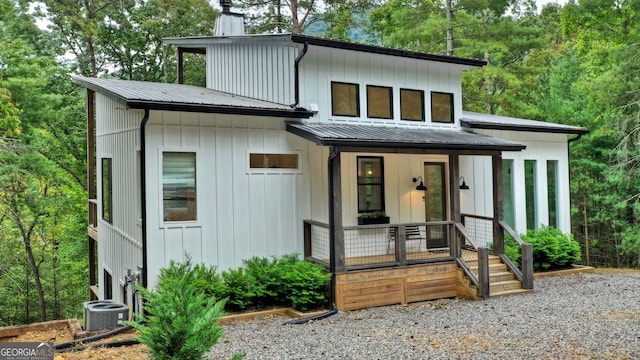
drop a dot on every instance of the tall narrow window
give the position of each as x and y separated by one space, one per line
179 186
370 184
412 105
530 184
441 107
552 191
379 102
507 195
345 99
107 190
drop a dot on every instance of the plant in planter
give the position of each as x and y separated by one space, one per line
375 217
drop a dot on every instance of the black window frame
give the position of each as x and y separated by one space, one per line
451 112
370 103
192 210
362 184
422 112
107 188
333 109
108 285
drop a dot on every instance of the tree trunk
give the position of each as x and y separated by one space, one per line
35 269
449 11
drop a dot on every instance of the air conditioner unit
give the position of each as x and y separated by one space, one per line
102 314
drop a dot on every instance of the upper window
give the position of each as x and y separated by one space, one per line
411 105
442 107
107 190
345 99
179 186
273 161
379 102
370 184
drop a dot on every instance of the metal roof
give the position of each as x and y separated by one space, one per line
361 135
486 121
176 97
199 41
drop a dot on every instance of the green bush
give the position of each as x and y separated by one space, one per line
240 288
210 281
181 321
268 280
306 285
552 249
512 249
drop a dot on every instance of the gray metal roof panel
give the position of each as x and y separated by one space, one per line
487 121
332 134
161 96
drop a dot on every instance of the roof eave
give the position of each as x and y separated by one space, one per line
386 51
507 127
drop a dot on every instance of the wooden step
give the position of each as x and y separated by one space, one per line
493 268
501 276
500 286
510 292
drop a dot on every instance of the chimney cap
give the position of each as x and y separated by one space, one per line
226 6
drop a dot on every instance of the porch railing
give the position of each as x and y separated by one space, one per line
383 245
481 230
523 272
93 213
474 263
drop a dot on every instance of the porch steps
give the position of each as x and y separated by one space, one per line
502 282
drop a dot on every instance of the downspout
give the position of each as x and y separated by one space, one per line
332 250
296 74
143 195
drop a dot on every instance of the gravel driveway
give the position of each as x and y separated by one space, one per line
583 316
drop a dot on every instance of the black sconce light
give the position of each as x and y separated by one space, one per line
464 185
421 186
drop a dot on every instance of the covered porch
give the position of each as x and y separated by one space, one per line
407 261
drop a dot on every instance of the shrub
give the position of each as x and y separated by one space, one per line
240 288
552 249
210 281
512 249
268 280
306 284
181 320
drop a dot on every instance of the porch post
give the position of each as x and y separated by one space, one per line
454 195
498 205
336 232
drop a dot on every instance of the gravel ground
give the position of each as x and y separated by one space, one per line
583 316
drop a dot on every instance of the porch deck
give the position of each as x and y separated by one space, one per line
379 268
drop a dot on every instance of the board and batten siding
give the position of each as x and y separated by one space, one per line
320 66
478 200
120 244
259 71
241 213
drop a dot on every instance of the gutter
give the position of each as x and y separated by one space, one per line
296 74
143 195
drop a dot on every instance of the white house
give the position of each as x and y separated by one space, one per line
294 138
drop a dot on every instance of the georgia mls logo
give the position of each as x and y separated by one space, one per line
26 351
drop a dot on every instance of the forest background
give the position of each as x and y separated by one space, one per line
575 64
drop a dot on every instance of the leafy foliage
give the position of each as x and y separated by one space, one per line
284 281
552 249
181 320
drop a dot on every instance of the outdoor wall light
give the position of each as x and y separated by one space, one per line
464 185
421 186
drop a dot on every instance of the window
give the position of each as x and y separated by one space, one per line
531 193
108 284
411 105
273 161
370 184
179 186
552 191
107 190
507 195
345 99
441 107
379 102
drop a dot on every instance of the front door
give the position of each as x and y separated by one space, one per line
435 203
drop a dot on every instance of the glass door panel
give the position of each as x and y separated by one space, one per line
435 203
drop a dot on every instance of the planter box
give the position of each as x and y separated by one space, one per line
371 221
